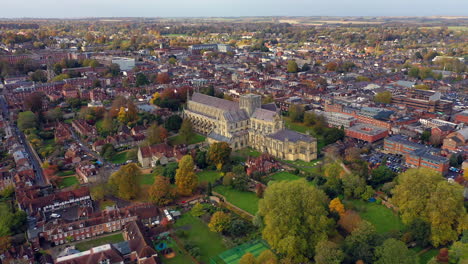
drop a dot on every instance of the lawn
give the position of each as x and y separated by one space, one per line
68 181
147 179
428 255
300 127
304 165
198 233
284 176
247 201
380 216
208 176
65 173
176 140
110 239
180 258
241 155
120 157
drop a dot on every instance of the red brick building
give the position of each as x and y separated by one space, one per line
366 132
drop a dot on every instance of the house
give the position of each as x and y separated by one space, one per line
86 172
62 133
139 243
263 164
366 132
105 254
456 140
163 153
84 129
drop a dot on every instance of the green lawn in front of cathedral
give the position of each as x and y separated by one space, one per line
241 155
302 128
247 201
208 176
177 140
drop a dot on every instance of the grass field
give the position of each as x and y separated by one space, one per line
380 216
208 176
111 239
119 158
147 179
241 155
284 176
176 140
68 181
198 233
304 165
247 201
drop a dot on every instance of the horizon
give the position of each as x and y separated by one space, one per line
53 9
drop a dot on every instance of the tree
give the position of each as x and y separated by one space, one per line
173 123
259 190
54 114
39 76
163 78
169 171
394 251
114 69
227 179
336 206
384 97
125 181
185 177
219 221
267 257
292 66
424 194
420 232
353 186
200 159
327 252
26 120
247 258
161 192
156 134
33 102
98 192
218 154
295 215
5 244
122 116
186 130
381 175
349 221
368 193
296 113
197 210
141 79
361 243
108 151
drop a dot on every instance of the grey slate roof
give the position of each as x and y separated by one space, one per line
464 133
215 102
236 115
263 114
218 137
270 106
292 136
427 153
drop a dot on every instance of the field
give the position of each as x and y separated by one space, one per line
147 179
233 255
247 201
176 140
68 181
303 165
241 155
110 239
198 233
65 173
284 176
119 158
208 176
380 216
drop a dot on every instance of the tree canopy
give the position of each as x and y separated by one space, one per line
125 181
185 178
296 218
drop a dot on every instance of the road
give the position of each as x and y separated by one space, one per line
33 160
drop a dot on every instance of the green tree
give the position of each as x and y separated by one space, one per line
27 120
393 251
361 243
384 97
327 252
424 194
197 210
247 258
125 181
141 79
185 177
353 186
156 134
296 113
381 175
218 154
219 221
295 215
173 123
161 192
39 76
108 151
186 130
292 66
33 102
170 170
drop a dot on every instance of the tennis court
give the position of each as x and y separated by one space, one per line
233 255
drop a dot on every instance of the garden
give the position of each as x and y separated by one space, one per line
245 200
110 239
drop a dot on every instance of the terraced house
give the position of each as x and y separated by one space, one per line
248 123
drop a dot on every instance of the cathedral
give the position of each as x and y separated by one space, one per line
248 123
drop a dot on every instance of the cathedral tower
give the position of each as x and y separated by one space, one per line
250 102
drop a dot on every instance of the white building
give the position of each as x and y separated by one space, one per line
125 64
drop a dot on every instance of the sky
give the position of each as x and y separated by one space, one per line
223 8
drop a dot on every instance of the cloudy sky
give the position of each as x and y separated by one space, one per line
203 8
